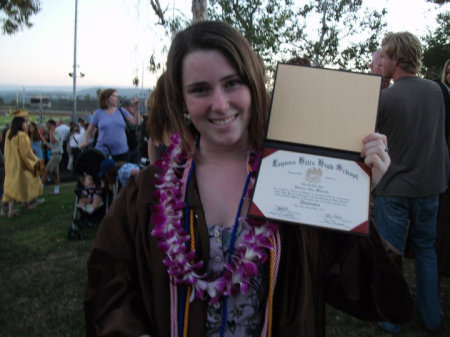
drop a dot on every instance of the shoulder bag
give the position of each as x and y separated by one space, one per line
131 134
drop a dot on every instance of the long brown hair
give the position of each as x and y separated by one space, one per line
220 36
16 126
158 120
33 134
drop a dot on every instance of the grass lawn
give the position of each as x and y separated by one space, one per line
43 274
43 277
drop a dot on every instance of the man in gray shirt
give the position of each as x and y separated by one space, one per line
411 115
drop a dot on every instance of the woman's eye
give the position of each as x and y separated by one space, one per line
198 90
233 83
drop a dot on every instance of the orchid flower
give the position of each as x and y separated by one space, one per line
181 266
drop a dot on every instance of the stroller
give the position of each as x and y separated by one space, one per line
93 195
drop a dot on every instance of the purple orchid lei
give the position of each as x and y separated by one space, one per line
167 217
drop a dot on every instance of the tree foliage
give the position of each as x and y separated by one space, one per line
267 25
340 34
439 2
437 47
170 23
348 33
18 14
135 81
330 33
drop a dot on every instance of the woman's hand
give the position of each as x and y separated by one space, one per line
375 154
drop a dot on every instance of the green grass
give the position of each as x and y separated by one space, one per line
42 273
43 277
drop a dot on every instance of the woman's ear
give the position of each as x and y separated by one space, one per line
186 115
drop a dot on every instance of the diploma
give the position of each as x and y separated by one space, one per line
313 190
311 172
323 107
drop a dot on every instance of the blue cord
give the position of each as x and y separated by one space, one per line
236 221
230 253
182 297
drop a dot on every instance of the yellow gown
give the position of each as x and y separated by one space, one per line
20 183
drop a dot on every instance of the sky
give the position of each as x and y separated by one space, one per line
116 37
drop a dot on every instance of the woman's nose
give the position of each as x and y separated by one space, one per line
220 101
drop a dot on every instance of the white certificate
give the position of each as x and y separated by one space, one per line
312 190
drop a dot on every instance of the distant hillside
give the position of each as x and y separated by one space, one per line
9 93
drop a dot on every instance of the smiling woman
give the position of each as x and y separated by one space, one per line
208 269
217 101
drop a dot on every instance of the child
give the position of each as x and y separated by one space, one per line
126 171
90 196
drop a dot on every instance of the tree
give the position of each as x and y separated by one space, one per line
18 13
439 2
170 25
279 30
267 25
136 81
199 10
437 47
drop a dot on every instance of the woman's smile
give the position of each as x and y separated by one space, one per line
223 121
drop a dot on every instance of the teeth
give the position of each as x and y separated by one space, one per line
223 121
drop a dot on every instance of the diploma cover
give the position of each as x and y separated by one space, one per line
311 172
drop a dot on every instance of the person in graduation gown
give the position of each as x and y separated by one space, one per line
22 180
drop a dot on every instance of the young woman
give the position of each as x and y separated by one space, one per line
177 255
21 182
37 140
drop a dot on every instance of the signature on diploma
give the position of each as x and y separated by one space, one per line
335 220
283 212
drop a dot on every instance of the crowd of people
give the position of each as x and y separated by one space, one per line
29 155
177 255
56 145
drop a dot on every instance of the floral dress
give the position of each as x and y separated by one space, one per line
244 311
